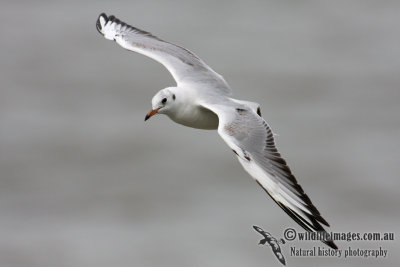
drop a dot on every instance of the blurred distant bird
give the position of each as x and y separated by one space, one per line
273 242
202 100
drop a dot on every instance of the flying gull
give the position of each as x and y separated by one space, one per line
201 99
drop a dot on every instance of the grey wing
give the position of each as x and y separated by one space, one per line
252 140
185 66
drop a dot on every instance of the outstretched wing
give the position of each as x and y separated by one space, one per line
261 231
185 66
251 139
266 235
277 251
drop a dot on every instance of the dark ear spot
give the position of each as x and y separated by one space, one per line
173 97
240 111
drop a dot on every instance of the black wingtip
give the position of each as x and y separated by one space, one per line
331 244
98 23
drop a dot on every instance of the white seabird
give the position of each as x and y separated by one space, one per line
201 99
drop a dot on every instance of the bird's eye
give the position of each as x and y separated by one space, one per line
164 100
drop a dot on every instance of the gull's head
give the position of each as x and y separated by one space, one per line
162 103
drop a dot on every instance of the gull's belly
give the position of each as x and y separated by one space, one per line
197 117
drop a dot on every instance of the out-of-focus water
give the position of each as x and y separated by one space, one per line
85 182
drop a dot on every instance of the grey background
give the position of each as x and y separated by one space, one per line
85 182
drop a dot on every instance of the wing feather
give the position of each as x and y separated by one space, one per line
250 136
184 66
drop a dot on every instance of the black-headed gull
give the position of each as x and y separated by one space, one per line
202 100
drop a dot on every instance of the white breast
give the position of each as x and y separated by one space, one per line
196 117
